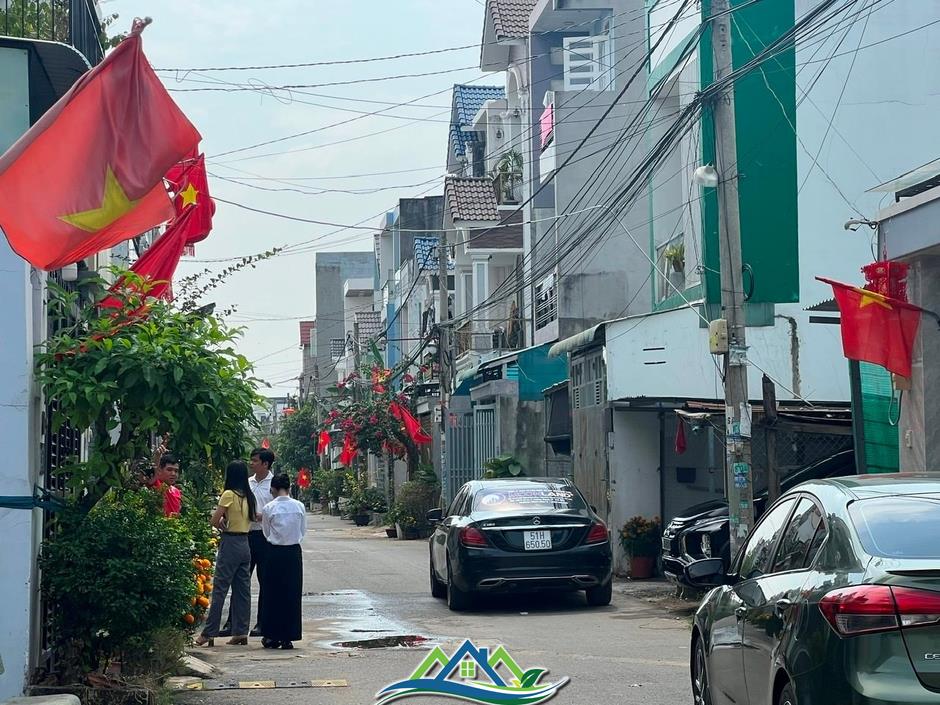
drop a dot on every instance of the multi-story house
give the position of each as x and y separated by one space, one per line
39 62
332 271
646 395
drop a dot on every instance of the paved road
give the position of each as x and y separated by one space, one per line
360 585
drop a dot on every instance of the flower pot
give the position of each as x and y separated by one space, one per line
391 532
361 519
408 533
642 567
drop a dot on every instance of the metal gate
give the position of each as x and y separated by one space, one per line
461 467
485 434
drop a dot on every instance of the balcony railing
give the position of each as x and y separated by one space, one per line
72 22
546 302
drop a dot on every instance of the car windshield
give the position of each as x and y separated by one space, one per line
899 526
536 496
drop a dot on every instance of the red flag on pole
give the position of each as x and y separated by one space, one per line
323 443
349 451
876 328
411 424
89 173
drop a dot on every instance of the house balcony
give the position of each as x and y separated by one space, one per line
73 22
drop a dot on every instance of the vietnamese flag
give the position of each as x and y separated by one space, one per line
89 173
411 424
349 451
876 328
323 443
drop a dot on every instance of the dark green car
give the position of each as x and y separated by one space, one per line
833 600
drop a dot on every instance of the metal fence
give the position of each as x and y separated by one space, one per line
795 449
461 467
72 22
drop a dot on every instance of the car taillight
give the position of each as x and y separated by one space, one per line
597 534
863 609
472 536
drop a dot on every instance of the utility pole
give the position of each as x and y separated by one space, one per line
442 348
770 433
737 406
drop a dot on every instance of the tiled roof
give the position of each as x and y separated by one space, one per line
426 254
510 17
306 328
471 198
370 324
467 101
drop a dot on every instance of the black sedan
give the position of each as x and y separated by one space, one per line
833 598
518 535
702 531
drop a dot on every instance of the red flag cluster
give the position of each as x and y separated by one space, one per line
876 328
111 139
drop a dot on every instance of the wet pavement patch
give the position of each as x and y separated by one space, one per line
384 642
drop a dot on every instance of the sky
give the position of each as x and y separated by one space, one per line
274 297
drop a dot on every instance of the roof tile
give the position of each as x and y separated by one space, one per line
511 17
467 101
471 198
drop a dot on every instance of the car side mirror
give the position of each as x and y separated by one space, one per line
434 516
709 572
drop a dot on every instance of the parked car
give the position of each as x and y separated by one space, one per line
507 535
702 531
833 598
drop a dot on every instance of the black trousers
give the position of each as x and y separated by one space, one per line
259 547
283 581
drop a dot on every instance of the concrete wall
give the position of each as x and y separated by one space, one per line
522 429
332 269
21 320
634 472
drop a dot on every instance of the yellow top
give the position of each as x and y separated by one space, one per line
236 511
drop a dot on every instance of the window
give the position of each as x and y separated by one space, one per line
898 527
587 63
755 559
670 267
800 541
454 509
466 279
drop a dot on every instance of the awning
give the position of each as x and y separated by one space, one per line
579 340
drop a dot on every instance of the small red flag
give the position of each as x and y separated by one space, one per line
303 478
89 173
191 185
323 443
411 424
680 438
876 328
349 452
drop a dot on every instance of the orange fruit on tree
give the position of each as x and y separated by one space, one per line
189 619
203 601
208 588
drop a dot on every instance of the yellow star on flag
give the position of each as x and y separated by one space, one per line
114 205
188 195
870 297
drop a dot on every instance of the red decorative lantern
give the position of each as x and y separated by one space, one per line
289 411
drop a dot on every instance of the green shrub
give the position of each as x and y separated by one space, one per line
413 501
116 578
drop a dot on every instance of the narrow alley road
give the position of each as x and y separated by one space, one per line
362 586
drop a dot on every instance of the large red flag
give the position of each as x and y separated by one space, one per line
411 424
876 328
89 173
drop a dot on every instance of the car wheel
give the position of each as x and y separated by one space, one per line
700 692
787 696
457 599
438 589
600 595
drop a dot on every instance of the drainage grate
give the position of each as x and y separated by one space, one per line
264 685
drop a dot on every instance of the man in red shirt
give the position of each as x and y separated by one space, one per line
165 476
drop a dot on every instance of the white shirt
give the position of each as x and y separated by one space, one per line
284 521
261 489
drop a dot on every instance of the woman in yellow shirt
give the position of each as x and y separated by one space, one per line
233 516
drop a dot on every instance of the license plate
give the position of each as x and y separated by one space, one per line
537 540
667 544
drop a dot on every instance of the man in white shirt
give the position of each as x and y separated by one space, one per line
260 482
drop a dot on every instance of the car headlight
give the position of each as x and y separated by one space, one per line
706 546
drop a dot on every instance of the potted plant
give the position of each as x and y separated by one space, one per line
363 502
414 499
507 173
502 466
640 538
675 256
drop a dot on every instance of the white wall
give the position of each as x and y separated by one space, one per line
19 535
634 472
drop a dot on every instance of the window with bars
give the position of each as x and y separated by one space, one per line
588 381
587 62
